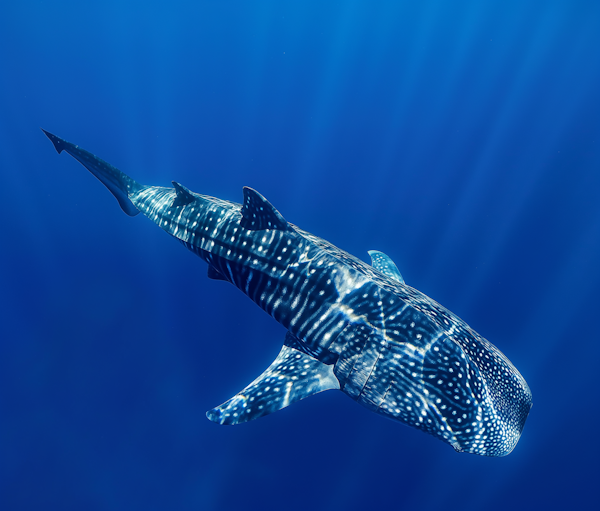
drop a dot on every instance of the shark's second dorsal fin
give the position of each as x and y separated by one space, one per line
292 376
258 213
184 196
385 265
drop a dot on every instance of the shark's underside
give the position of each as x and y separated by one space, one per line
351 326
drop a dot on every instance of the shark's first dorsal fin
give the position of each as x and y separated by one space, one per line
385 265
184 196
119 184
258 213
292 376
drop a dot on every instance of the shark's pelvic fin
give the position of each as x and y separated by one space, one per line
214 274
258 213
184 196
385 265
119 184
292 376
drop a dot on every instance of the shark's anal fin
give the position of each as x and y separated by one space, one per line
184 196
385 265
119 184
214 274
292 376
258 213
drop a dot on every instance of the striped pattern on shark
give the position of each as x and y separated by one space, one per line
351 326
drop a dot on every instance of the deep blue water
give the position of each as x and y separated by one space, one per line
461 137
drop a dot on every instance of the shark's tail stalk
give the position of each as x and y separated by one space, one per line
119 184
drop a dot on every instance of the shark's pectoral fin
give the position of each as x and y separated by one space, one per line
119 184
292 376
385 265
258 213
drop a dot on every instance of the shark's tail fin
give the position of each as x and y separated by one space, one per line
119 184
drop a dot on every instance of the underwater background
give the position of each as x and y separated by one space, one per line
462 138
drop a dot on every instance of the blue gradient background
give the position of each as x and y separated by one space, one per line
461 137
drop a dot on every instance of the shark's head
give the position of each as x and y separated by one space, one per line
481 399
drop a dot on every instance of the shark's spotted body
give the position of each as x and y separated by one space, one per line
351 326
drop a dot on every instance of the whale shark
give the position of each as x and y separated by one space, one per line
351 326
